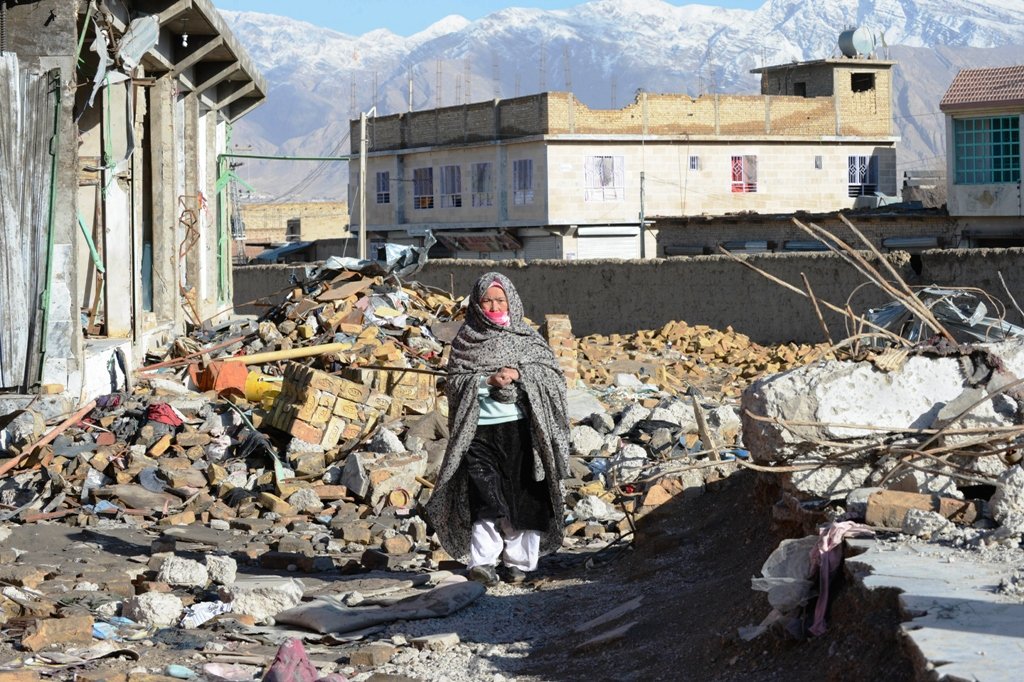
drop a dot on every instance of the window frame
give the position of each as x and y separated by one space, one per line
450 190
423 188
861 175
481 183
982 136
522 182
743 173
604 178
383 187
694 162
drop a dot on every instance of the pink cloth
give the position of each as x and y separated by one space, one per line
498 317
292 665
827 556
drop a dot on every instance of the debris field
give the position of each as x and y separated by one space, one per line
250 502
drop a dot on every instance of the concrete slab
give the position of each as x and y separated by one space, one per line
959 622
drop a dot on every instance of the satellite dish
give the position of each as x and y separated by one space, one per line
856 42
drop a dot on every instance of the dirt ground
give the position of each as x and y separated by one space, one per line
692 568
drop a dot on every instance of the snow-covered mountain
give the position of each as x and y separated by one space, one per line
602 50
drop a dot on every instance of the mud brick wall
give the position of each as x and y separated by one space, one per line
778 231
606 296
554 113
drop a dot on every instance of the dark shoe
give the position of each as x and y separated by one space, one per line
514 575
486 575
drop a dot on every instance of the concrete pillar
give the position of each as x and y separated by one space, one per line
166 232
189 131
117 215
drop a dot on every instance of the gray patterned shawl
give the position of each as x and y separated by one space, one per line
480 349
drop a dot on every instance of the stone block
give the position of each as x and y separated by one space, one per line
58 631
182 572
263 597
221 568
438 642
372 655
158 609
888 508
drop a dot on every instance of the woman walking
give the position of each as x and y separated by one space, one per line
499 493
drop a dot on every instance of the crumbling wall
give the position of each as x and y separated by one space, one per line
609 296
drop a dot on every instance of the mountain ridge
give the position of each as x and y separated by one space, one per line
604 51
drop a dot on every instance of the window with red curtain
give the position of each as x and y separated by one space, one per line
744 173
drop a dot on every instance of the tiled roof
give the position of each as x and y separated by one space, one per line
972 87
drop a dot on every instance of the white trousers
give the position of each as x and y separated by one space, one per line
515 548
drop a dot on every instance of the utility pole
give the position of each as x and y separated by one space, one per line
643 250
362 181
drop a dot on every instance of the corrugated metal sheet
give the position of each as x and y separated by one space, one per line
608 246
26 122
535 248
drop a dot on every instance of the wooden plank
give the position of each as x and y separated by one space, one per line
24 203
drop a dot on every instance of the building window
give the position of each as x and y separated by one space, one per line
605 178
800 89
863 176
694 163
862 82
423 188
451 187
383 187
482 185
744 173
987 150
817 162
522 181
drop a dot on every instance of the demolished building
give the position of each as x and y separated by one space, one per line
114 213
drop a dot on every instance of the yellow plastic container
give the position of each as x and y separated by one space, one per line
260 387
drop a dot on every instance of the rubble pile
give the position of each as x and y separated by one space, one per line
225 491
679 354
906 440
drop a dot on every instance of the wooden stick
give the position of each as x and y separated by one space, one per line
853 257
1012 299
926 313
846 313
291 353
817 310
48 438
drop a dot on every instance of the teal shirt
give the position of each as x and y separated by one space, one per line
492 411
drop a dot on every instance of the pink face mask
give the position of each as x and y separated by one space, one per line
497 317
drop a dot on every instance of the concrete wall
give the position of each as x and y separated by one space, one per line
777 229
623 296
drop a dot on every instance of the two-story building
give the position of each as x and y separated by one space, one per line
545 176
983 109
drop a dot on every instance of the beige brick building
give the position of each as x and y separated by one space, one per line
296 221
546 176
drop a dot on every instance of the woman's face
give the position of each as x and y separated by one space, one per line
494 301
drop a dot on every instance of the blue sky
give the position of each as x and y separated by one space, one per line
406 17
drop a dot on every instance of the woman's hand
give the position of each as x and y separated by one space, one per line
503 377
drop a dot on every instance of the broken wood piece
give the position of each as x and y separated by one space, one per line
48 438
290 354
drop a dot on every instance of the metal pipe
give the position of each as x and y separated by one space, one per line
234 155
